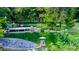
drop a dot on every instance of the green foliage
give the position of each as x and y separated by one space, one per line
1 33
34 37
70 24
43 27
69 42
51 18
55 41
2 25
60 16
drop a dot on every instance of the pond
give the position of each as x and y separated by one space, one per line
17 44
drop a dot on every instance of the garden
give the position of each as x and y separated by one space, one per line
59 25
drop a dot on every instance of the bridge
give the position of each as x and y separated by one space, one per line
22 30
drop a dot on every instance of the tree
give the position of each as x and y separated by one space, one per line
71 12
2 26
61 16
54 17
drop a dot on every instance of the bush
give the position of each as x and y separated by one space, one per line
63 41
70 43
34 37
1 33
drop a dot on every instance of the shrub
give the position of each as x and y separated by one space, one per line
26 36
1 33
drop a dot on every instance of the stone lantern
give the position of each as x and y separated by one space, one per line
42 46
42 41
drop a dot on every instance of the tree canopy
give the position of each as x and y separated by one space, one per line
51 16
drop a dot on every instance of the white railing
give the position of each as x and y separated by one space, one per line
55 31
22 30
